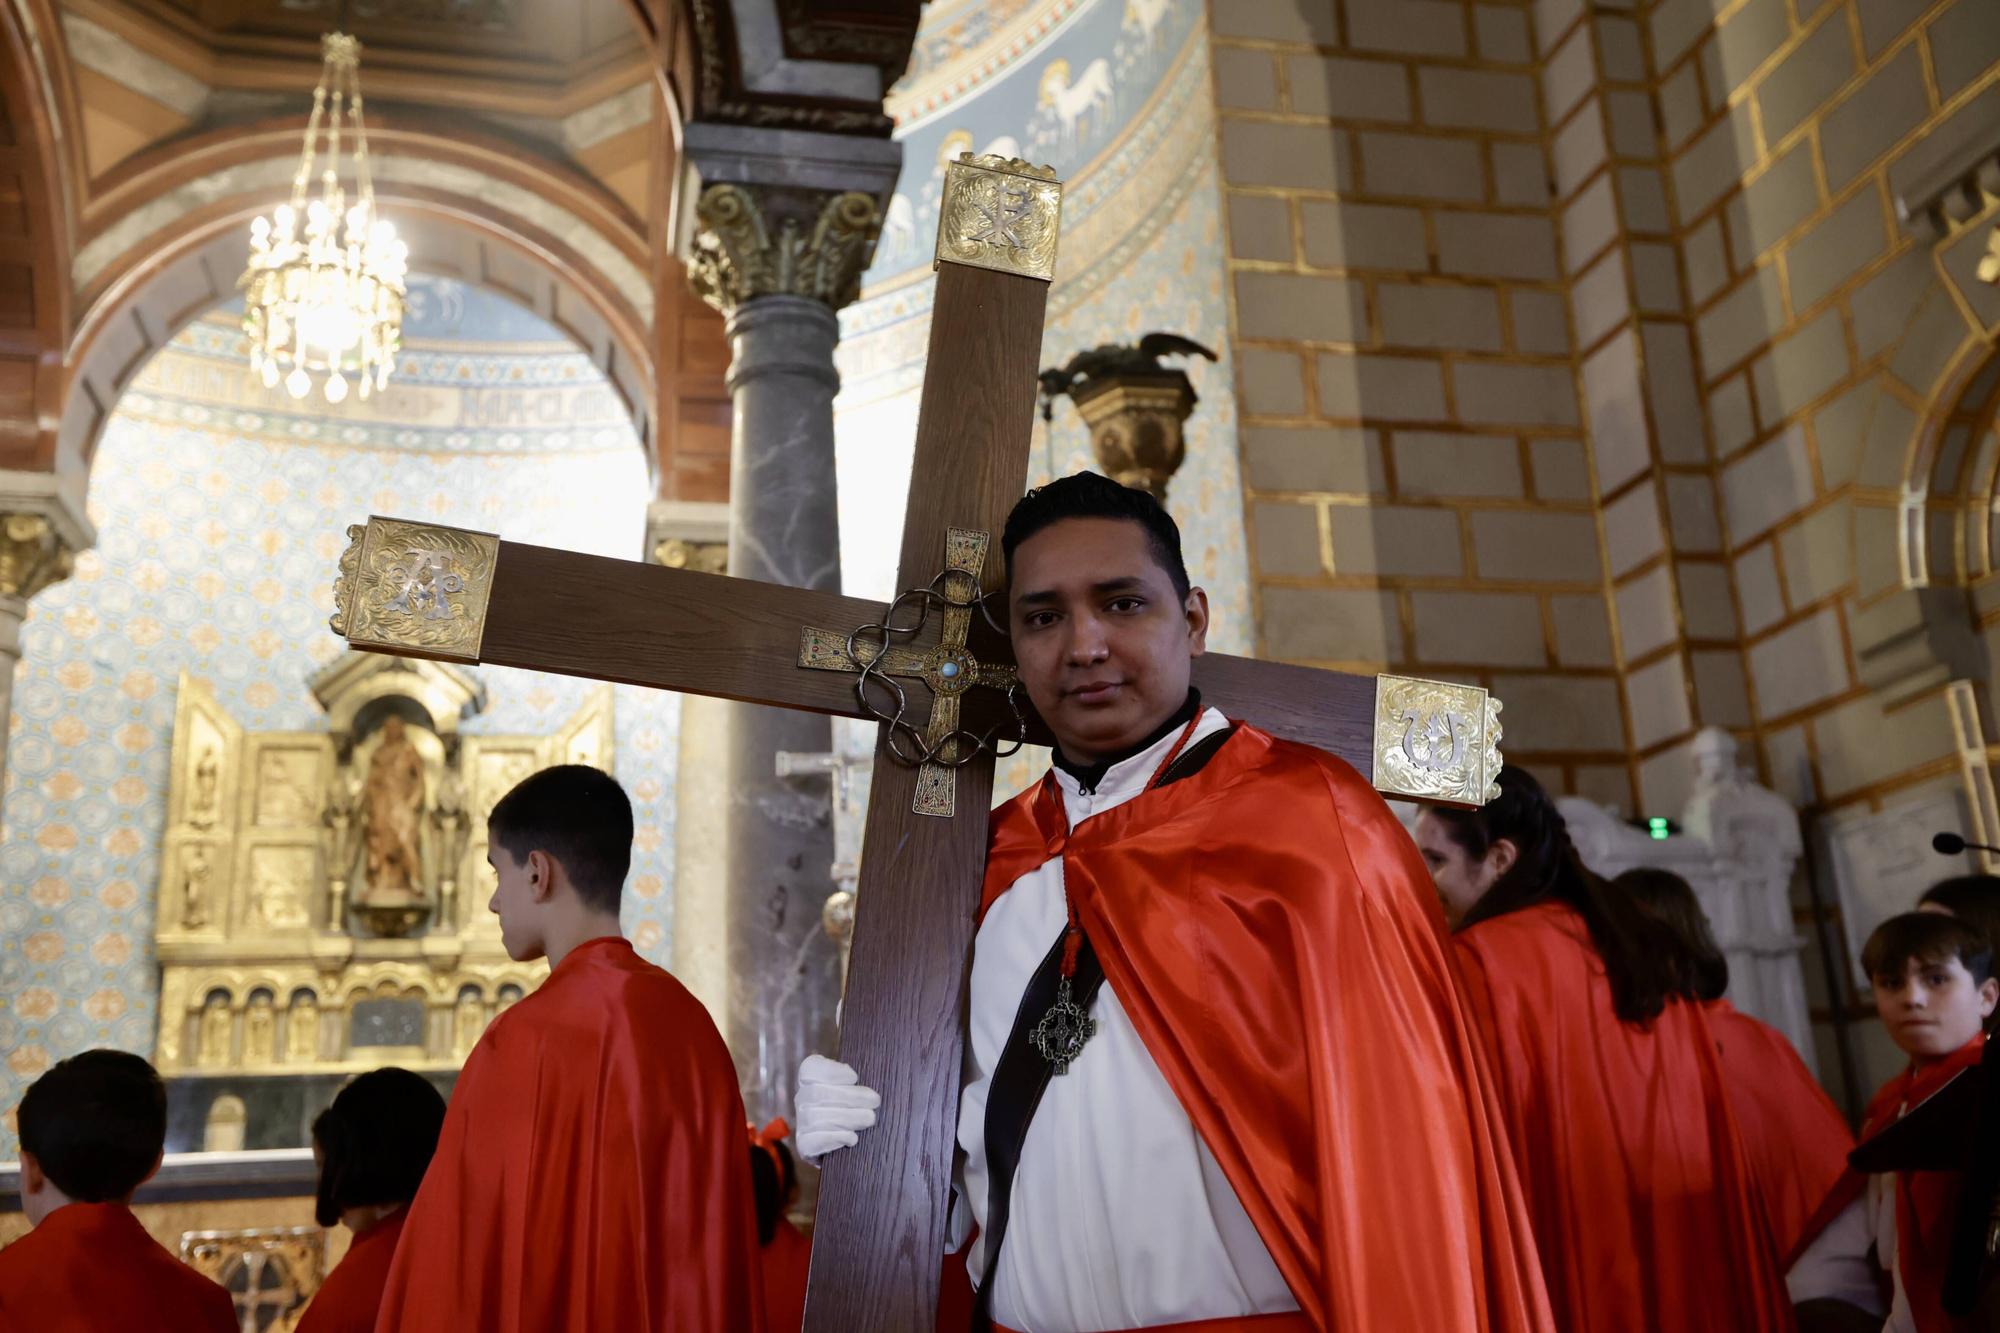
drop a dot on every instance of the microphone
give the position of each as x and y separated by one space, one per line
1950 844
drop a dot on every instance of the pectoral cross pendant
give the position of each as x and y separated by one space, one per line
1063 1030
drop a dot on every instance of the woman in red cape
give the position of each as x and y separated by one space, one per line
1613 1095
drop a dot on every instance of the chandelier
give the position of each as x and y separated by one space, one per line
323 294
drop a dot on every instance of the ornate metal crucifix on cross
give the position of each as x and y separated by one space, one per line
439 592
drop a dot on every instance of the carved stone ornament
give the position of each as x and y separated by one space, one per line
1436 741
33 555
1137 428
755 241
1989 263
1000 213
702 557
415 588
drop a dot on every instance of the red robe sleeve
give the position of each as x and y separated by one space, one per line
1794 1137
1635 1170
1275 939
590 1173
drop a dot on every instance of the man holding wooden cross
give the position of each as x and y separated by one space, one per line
1220 1075
1219 1068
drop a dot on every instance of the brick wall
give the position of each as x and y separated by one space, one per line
1419 493
1581 352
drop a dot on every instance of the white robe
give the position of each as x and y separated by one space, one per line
1843 1261
1121 1218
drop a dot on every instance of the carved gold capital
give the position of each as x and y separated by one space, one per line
1436 741
1989 263
702 557
1000 213
415 588
779 241
33 554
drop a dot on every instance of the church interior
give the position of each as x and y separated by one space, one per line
1636 362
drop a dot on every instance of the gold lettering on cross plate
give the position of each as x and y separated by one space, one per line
1436 741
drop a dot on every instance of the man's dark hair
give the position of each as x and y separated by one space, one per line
1088 495
581 817
96 1122
1926 937
1644 960
376 1141
1671 898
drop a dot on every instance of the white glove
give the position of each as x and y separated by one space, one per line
832 1107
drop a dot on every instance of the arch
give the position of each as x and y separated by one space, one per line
40 158
520 227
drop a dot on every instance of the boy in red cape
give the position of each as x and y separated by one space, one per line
1934 989
1795 1137
1219 1075
92 1131
590 1174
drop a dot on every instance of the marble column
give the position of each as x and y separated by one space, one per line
42 529
784 224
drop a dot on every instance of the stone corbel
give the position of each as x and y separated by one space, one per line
688 534
42 531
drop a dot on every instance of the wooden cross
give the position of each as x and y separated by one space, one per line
422 590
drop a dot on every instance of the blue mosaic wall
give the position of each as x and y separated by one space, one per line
220 512
1140 251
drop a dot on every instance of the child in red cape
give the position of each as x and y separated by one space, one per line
1934 990
92 1131
373 1145
1796 1139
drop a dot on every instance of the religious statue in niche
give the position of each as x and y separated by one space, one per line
394 795
195 871
469 1022
260 1030
302 1029
205 804
453 825
212 1036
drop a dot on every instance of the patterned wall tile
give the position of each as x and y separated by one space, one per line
220 513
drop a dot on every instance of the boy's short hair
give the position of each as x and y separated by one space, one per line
97 1123
581 817
376 1141
1925 937
1089 495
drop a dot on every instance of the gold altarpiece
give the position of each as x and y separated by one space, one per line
284 948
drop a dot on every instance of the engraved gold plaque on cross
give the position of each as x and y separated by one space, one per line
1436 741
947 667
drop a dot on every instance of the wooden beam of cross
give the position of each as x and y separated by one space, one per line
422 590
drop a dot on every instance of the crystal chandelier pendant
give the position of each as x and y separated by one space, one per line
323 293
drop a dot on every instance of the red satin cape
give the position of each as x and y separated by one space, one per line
1794 1137
1271 931
785 1261
1926 1201
351 1296
92 1268
1636 1173
591 1172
